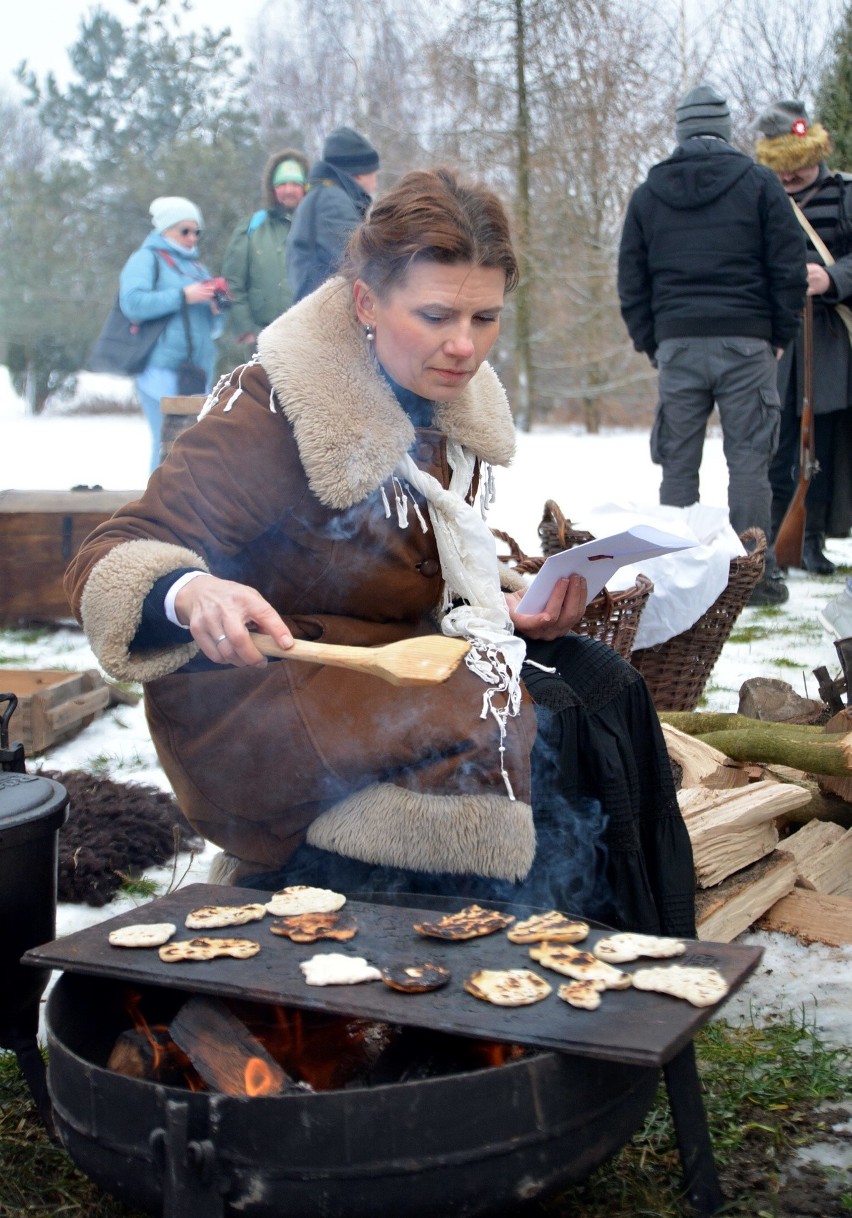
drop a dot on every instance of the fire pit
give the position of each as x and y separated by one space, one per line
477 1142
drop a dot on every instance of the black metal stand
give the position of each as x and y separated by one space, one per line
190 1186
693 1137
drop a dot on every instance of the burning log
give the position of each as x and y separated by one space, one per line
149 1053
224 1052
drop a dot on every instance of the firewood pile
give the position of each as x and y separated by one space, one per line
767 798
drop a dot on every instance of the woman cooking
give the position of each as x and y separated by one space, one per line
329 493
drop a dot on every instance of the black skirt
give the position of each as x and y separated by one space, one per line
611 841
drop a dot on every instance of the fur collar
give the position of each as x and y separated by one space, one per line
349 427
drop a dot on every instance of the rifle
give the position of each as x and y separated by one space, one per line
790 538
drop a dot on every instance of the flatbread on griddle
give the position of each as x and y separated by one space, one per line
469 923
582 966
629 945
335 968
307 928
552 926
586 995
142 934
301 899
415 977
208 949
700 986
507 987
210 917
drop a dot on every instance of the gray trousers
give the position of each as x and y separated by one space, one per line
739 376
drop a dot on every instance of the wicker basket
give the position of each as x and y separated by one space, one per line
610 617
677 671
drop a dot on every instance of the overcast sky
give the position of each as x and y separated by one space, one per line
41 31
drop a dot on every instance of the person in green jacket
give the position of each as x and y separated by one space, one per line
255 262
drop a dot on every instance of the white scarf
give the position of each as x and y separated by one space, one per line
468 560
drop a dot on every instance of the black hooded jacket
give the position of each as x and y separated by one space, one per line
710 247
333 207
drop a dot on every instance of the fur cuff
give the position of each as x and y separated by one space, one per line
111 608
488 835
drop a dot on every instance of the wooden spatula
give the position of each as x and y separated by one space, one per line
426 660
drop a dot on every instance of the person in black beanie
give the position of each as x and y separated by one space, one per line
796 149
711 280
340 188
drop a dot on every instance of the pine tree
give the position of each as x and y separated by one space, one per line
834 97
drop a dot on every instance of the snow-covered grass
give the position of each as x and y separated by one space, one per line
580 472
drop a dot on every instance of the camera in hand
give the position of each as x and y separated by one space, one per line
221 295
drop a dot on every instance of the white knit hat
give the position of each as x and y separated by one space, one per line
171 209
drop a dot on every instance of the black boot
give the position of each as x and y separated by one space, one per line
813 558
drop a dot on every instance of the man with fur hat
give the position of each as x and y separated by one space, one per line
711 278
255 263
796 149
340 188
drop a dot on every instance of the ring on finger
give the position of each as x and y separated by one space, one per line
220 639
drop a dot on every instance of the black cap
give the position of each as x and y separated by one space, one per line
349 151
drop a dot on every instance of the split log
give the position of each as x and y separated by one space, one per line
702 765
823 854
730 829
816 754
223 1051
733 906
812 917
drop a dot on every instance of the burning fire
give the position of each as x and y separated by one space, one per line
259 1078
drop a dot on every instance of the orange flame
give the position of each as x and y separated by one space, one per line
259 1079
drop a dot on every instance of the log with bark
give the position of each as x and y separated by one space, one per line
806 748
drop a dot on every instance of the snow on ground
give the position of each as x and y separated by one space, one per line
580 472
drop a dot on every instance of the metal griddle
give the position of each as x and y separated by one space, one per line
632 1026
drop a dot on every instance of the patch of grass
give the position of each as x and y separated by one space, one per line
107 764
138 886
784 662
754 633
763 1090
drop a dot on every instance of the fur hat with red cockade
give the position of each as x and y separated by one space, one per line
790 140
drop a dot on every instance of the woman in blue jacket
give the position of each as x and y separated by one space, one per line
165 278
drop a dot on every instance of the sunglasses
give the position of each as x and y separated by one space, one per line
190 232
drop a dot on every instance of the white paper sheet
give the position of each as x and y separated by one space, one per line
597 561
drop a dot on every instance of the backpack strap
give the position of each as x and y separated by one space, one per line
257 219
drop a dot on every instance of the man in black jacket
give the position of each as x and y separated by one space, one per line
340 187
796 149
711 278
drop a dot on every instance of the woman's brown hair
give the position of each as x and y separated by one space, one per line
430 215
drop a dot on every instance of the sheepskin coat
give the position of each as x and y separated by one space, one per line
284 484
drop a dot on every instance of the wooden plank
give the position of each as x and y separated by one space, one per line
223 1051
733 906
52 705
188 404
813 917
830 870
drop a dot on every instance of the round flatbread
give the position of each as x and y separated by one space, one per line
507 987
586 995
629 945
415 977
208 917
302 899
208 949
552 926
582 966
469 923
700 986
307 928
142 934
334 968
